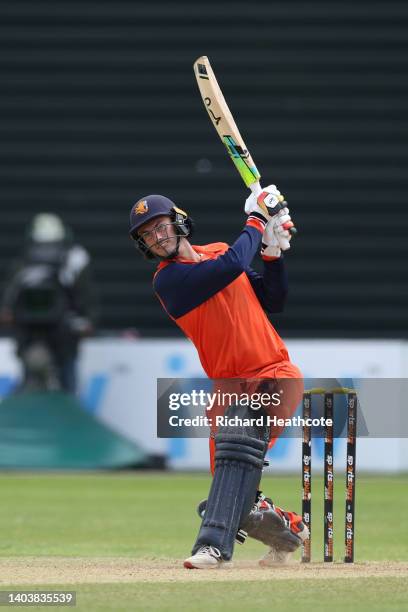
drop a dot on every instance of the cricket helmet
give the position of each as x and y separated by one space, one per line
150 207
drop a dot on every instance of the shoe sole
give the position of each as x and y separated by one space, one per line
189 565
219 566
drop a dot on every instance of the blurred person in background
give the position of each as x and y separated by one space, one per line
48 304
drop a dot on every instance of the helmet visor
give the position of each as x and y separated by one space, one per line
160 240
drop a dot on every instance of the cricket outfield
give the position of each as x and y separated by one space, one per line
119 540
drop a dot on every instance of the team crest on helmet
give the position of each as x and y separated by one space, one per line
141 208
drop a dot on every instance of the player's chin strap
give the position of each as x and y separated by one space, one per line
183 225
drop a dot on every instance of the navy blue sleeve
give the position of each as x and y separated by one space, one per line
182 287
271 287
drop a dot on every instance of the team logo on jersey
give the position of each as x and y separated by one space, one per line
141 208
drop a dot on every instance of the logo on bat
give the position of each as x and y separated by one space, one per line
141 208
207 102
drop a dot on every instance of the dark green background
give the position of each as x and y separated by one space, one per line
99 106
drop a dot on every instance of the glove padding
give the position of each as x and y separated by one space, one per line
282 224
268 203
270 248
276 237
253 209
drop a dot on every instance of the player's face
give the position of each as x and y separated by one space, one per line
159 236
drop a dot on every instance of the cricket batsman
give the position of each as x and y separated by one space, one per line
219 302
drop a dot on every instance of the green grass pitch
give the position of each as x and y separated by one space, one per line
119 539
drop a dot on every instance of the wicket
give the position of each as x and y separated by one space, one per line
328 397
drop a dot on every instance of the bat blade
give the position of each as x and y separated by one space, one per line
227 129
224 123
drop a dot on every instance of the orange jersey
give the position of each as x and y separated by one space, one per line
220 304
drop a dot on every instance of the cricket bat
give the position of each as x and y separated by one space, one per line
226 127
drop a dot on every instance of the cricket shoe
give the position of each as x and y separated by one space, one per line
206 557
282 531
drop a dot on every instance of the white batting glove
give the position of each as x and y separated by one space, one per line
270 245
270 199
268 202
281 226
253 210
276 236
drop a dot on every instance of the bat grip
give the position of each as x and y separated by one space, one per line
257 190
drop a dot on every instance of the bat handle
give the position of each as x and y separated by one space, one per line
257 190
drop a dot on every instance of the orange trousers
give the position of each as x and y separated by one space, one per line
287 380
